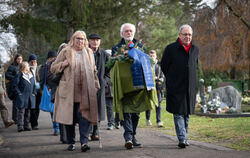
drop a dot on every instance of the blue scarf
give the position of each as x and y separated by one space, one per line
141 68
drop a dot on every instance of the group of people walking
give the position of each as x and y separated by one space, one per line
82 87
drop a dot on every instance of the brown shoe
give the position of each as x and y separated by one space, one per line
8 123
94 137
129 145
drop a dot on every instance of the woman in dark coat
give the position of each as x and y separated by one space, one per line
10 75
24 87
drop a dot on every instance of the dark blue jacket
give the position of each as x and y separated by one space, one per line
25 91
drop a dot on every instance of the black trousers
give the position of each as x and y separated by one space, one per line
34 113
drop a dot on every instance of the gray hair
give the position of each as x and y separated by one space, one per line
63 45
132 26
185 26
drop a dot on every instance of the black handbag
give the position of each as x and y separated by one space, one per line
57 78
10 92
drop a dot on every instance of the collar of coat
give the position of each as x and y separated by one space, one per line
180 45
123 41
27 77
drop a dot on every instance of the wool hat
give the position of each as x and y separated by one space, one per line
51 54
32 57
94 36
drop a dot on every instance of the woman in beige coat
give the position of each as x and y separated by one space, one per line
75 100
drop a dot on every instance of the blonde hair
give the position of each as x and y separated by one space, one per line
23 65
79 32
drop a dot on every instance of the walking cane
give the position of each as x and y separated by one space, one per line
98 131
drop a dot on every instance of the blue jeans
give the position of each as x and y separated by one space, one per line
83 127
55 125
130 124
181 126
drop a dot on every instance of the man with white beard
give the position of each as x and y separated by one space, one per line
34 113
130 121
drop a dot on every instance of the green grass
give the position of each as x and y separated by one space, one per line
229 132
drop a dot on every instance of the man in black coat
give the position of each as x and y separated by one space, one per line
180 65
101 57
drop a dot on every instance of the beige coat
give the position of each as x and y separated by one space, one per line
64 99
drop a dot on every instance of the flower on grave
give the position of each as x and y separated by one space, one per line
213 106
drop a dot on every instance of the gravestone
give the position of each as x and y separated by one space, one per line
228 95
223 84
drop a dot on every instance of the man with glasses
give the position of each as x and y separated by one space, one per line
179 65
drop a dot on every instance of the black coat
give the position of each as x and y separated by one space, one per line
25 91
10 75
51 79
180 70
11 72
100 60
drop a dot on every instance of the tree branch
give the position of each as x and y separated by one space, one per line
237 14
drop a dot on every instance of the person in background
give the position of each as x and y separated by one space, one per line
159 79
3 109
62 128
101 58
25 89
10 74
34 113
45 76
180 66
75 100
112 122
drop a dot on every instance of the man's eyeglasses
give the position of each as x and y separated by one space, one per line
187 34
79 38
128 31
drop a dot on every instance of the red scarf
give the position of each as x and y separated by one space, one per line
185 47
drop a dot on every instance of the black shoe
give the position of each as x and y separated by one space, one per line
136 144
129 145
56 133
182 144
71 147
63 141
187 143
35 128
117 125
27 129
20 130
85 147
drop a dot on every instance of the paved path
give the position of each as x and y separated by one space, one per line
42 144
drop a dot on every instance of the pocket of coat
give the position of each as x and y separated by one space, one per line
62 89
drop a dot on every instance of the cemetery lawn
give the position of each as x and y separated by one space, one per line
228 132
